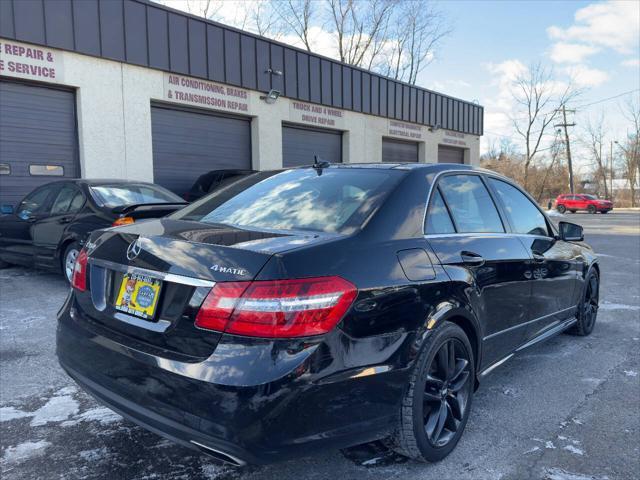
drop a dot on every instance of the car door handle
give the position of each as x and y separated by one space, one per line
66 219
471 258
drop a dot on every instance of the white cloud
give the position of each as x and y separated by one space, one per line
631 62
563 52
584 76
613 24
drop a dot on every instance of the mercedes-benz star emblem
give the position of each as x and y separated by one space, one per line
134 249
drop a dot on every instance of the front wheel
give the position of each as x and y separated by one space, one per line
561 208
436 406
69 260
588 306
591 209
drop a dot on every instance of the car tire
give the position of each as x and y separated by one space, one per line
592 209
561 208
588 306
68 260
431 437
604 211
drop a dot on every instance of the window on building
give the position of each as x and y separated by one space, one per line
5 169
47 170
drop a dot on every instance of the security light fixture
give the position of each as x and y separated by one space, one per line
271 97
274 72
434 128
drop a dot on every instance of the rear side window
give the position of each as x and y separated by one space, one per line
524 216
470 204
438 219
112 196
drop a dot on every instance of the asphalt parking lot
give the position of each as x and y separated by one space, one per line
565 410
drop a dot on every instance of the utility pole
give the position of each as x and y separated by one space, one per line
566 139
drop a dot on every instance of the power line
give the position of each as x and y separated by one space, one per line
607 99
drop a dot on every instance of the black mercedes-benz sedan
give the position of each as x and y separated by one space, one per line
49 226
323 307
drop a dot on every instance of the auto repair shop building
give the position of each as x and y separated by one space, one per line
132 89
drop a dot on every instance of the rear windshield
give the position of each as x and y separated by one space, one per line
329 200
111 196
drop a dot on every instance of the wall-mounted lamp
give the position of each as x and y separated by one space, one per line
271 97
434 128
273 72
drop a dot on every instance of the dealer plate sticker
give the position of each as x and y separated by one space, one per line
138 295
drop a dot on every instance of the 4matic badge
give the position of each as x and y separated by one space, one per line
231 270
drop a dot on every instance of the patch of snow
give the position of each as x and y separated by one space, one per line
560 437
25 451
10 413
211 471
67 391
371 461
549 444
618 306
572 449
99 414
95 454
56 409
577 422
559 474
534 449
630 373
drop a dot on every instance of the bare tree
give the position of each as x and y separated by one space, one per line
594 141
631 147
539 99
360 28
298 16
418 28
204 8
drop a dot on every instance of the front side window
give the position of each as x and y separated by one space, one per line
330 200
111 196
470 204
438 219
524 216
33 203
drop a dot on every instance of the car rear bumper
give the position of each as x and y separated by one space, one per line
255 424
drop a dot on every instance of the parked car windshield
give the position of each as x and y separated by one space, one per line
327 200
112 196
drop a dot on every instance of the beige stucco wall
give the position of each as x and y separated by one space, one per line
114 119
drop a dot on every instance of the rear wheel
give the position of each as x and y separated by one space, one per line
591 209
588 307
561 208
69 260
436 407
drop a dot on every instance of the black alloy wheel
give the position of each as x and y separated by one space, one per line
561 208
436 406
446 393
591 209
588 307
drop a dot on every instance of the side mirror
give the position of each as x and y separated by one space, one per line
6 209
570 232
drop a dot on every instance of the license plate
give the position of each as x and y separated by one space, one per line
138 295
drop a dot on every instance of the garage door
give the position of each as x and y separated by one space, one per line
188 143
450 154
397 151
38 139
299 145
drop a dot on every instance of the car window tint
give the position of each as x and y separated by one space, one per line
524 215
77 202
63 200
112 196
438 219
330 200
34 202
470 204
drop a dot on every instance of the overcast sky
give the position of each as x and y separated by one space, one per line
596 43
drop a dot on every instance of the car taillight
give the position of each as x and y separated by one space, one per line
79 277
122 221
277 308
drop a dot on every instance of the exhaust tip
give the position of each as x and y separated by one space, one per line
219 455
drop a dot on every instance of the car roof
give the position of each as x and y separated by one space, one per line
102 181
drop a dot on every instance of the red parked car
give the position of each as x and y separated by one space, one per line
590 203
